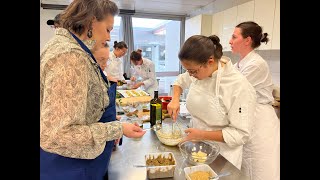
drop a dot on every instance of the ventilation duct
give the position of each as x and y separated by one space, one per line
62 7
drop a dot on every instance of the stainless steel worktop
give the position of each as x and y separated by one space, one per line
132 152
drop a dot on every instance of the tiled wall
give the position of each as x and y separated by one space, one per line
271 56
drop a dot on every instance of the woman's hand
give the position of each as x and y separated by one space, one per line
116 141
193 134
173 109
133 78
137 85
132 130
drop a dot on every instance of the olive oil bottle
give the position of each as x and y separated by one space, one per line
155 110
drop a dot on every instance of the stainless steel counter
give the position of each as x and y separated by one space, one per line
132 152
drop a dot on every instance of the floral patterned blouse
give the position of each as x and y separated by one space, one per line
73 96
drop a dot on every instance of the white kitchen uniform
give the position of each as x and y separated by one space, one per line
148 75
114 67
261 158
225 101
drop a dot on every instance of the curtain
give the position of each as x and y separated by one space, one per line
126 34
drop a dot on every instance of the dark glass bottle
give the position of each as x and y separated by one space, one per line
155 110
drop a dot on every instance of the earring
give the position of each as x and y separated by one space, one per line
89 34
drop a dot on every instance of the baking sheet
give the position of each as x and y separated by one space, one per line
133 93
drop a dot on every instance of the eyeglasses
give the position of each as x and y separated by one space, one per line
193 71
124 52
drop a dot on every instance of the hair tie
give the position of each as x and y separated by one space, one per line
262 37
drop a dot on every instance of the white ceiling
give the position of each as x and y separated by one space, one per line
174 7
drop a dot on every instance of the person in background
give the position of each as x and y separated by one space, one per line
143 73
115 66
261 158
55 23
102 56
126 76
220 100
77 104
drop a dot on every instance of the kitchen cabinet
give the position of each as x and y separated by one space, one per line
198 25
245 12
264 11
229 22
217 24
276 27
223 22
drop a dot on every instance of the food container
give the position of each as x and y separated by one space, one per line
199 151
160 171
170 133
203 167
165 101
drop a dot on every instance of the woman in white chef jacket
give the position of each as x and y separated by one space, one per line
263 150
220 99
144 69
114 67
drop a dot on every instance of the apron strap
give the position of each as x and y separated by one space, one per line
85 48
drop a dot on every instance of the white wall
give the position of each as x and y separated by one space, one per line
46 32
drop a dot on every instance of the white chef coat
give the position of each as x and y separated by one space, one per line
114 67
214 104
256 70
148 75
261 155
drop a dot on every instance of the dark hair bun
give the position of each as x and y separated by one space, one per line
264 38
215 39
217 46
115 42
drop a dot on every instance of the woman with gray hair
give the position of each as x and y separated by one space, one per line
77 102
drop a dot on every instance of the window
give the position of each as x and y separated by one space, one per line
159 40
115 33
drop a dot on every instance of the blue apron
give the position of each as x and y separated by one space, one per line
56 167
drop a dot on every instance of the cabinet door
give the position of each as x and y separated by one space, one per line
206 25
245 12
229 22
217 24
264 16
276 27
193 26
